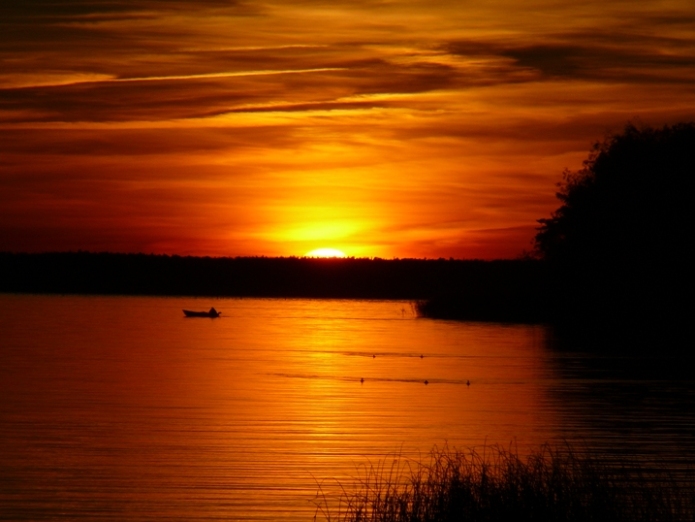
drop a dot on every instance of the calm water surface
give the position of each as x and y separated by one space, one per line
119 408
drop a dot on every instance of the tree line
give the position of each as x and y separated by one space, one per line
140 274
615 256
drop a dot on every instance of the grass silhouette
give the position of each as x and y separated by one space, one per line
553 484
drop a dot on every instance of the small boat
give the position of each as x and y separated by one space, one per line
210 313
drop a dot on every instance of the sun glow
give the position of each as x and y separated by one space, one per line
325 252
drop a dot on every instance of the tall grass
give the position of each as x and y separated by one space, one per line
553 485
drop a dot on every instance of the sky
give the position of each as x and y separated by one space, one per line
382 128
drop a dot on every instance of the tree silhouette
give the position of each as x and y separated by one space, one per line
621 243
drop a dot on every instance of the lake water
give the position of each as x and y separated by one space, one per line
119 408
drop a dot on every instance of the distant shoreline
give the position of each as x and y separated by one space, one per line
162 275
522 291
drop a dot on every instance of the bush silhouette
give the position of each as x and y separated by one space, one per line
621 243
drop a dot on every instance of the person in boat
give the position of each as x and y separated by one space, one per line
213 312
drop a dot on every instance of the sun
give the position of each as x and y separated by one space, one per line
325 252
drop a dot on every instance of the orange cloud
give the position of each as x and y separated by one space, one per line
400 129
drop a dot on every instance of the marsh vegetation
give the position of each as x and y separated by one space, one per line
553 484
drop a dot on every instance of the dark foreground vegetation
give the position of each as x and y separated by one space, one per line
618 254
139 274
552 485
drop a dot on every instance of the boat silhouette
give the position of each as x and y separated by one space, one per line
210 313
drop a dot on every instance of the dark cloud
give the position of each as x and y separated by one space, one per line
590 61
500 243
65 30
20 143
38 10
177 98
592 55
110 102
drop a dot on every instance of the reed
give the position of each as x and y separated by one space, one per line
552 484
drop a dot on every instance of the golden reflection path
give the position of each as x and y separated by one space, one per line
118 407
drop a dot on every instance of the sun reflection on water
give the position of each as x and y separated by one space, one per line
247 413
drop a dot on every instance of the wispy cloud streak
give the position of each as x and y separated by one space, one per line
401 128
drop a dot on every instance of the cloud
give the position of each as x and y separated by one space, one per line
61 10
430 128
588 56
592 62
